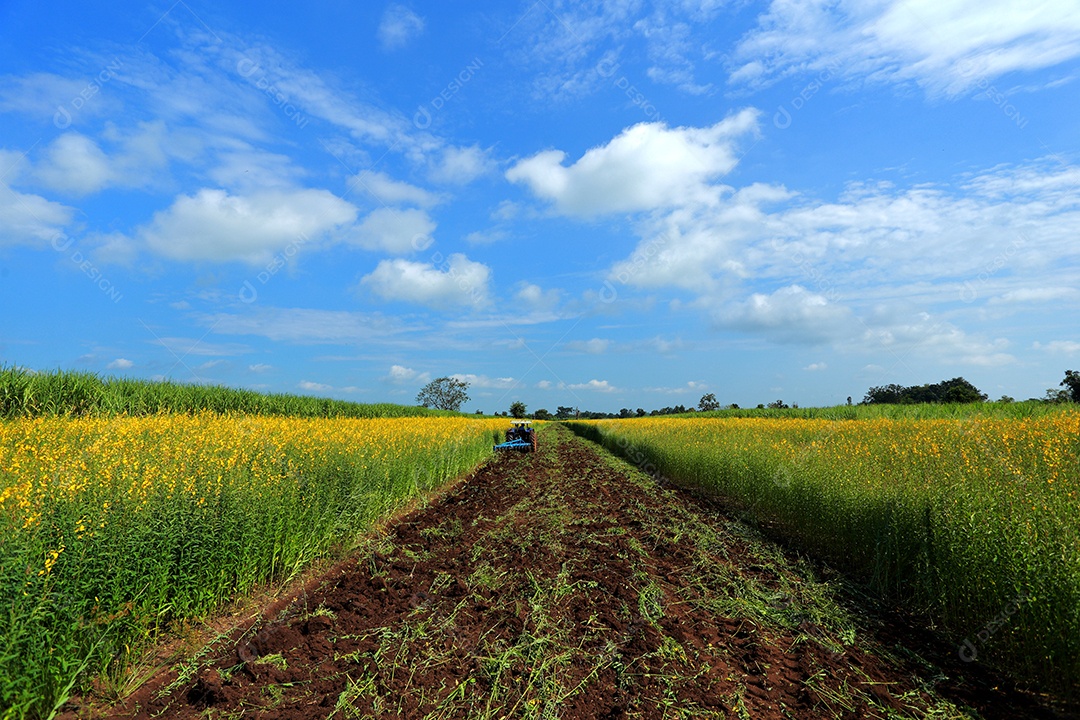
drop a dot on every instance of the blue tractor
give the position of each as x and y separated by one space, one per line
521 436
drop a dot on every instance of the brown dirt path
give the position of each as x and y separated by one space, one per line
564 584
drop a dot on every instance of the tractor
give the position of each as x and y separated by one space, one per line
521 436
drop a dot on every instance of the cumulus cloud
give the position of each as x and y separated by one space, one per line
790 314
536 297
602 386
460 165
816 367
398 26
214 225
457 282
646 166
314 386
120 364
394 231
74 164
27 219
401 375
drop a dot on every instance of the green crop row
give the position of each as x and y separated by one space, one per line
112 529
973 523
76 394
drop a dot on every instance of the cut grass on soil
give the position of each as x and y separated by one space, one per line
567 584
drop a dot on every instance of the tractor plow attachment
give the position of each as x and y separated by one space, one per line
521 436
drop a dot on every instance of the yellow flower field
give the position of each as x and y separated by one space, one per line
964 520
113 527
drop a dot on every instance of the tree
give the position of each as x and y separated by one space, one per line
641 412
1072 381
564 413
708 402
778 405
957 390
445 393
542 414
1053 395
517 409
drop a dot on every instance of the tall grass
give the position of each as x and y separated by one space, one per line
113 528
916 411
974 522
75 394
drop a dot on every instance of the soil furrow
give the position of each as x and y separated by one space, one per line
566 584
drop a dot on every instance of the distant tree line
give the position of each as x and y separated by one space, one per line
957 390
449 393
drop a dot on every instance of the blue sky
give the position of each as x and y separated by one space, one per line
594 204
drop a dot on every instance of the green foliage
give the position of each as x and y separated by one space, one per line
517 409
957 390
24 393
963 513
542 414
159 521
1072 382
445 393
708 402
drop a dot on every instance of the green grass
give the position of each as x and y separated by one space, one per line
971 521
117 530
916 411
25 393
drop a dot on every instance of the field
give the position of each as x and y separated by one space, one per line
567 584
564 583
972 522
73 394
113 528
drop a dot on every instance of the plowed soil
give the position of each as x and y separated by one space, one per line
565 584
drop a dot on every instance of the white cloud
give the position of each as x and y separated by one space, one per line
544 385
602 386
393 192
120 364
314 386
692 386
945 46
997 238
460 165
816 367
646 166
536 297
1065 347
214 225
27 219
73 163
790 314
457 282
308 326
486 237
595 346
182 347
1035 295
485 382
399 25
250 170
394 231
401 375
921 336
260 368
